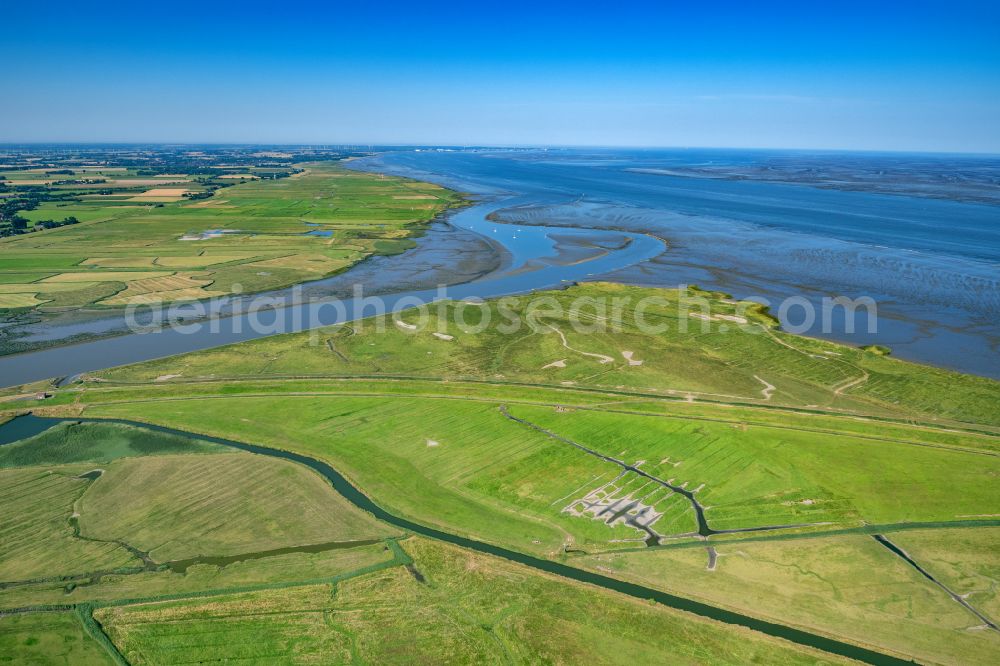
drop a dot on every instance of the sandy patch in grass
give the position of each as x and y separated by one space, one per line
628 356
433 442
768 389
104 276
444 336
404 325
561 363
163 378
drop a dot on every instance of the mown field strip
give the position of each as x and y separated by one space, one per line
585 407
681 397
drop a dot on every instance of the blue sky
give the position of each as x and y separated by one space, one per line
877 76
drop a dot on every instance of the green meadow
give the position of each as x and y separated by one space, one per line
372 599
465 608
248 237
835 585
49 638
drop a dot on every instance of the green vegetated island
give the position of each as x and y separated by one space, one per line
829 492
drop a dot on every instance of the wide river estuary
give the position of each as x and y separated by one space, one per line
555 217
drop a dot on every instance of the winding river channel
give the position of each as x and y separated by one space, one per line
532 258
30 425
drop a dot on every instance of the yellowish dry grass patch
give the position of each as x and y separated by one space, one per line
212 203
47 288
119 262
314 263
161 194
19 301
201 260
105 276
150 181
173 288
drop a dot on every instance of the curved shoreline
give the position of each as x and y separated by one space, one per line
536 253
356 497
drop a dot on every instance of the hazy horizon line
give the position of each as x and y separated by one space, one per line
509 146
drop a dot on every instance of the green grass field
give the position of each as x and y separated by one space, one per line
964 560
276 571
463 466
469 609
156 249
451 605
63 517
71 442
842 586
218 505
36 536
49 638
457 463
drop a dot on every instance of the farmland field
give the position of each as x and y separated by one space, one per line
464 607
240 235
282 597
844 585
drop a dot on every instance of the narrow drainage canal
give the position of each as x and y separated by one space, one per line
30 425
